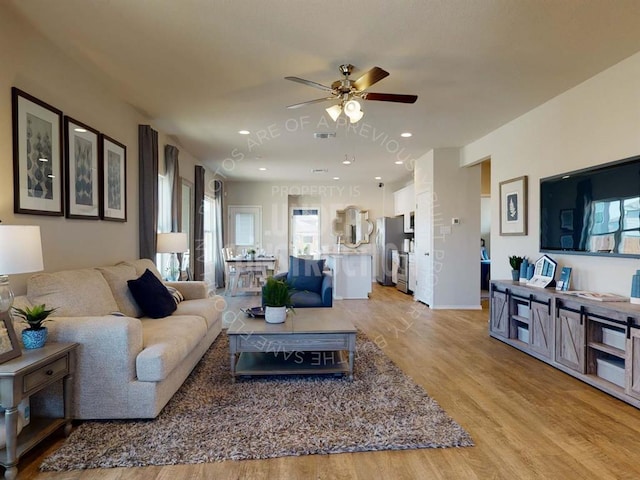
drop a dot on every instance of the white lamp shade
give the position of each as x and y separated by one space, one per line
355 117
334 112
175 242
20 249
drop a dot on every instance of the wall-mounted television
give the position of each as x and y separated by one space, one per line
595 211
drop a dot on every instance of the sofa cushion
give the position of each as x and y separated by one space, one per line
117 277
203 307
143 264
152 296
75 293
167 342
305 274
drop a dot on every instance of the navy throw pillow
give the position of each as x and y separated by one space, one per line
305 274
152 296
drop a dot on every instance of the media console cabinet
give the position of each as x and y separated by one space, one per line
596 342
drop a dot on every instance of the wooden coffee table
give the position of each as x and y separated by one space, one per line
310 341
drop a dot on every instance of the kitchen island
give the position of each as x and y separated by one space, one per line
352 276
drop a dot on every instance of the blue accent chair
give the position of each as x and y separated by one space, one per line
311 285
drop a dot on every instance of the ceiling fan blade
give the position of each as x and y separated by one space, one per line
369 78
317 100
390 97
310 83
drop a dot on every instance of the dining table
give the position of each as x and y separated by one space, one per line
250 273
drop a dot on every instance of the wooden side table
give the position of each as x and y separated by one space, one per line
22 377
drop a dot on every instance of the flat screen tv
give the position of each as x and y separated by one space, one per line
595 211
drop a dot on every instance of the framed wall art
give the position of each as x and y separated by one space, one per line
513 206
37 156
81 170
113 170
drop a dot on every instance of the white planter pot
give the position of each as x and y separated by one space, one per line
275 314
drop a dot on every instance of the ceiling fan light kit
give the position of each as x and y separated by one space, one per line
347 91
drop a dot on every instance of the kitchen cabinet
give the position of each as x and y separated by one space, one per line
412 272
404 203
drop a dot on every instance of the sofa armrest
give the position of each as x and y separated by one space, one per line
191 290
327 289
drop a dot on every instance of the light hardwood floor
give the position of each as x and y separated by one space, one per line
528 420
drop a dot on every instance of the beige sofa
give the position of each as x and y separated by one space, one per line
128 366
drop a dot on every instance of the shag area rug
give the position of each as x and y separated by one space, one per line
211 419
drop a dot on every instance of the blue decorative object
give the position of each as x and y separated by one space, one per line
530 270
524 266
34 338
635 288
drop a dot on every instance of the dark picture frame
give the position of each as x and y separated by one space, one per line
113 178
82 184
9 345
513 206
37 156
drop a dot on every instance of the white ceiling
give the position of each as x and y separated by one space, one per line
204 69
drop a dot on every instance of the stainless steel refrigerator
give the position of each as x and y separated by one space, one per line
389 236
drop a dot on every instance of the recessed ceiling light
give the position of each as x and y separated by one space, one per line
346 161
398 162
43 159
80 130
378 178
406 134
336 178
565 177
262 169
244 132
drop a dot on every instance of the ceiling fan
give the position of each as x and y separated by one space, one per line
347 91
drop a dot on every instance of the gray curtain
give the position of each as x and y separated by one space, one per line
198 224
172 171
218 261
148 190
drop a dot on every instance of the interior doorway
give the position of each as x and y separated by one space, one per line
485 227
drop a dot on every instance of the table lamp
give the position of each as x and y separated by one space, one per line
20 252
173 243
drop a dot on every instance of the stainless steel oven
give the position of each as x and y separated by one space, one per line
403 272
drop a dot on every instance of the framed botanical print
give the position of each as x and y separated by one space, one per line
81 170
113 173
37 156
513 206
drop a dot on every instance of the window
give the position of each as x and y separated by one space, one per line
245 226
305 231
164 220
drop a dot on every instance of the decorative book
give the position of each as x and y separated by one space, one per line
602 297
565 279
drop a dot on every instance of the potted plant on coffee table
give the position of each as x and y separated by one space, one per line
35 335
276 297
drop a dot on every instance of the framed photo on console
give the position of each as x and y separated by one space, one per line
37 156
113 174
513 206
81 162
9 346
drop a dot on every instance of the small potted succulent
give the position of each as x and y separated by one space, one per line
35 335
276 297
252 254
515 262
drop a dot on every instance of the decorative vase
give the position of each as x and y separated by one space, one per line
635 288
275 314
515 275
34 338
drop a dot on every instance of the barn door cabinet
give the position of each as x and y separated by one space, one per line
522 317
596 342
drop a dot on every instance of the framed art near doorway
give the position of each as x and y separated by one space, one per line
513 206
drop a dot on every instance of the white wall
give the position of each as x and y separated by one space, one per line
35 66
455 249
596 122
